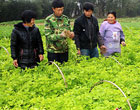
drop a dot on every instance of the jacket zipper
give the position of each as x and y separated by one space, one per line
28 43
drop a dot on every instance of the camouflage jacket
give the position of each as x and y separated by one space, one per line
54 26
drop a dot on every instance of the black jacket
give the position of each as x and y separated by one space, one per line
81 30
26 45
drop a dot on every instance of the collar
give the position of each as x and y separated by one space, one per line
21 26
58 17
113 23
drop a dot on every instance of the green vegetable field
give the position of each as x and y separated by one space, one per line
43 87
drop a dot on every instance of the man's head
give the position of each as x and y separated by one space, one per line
88 9
58 7
28 17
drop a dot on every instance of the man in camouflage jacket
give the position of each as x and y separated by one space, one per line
57 29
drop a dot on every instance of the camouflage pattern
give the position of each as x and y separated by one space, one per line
54 26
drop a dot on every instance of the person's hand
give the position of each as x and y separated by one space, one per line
78 52
62 34
67 33
103 49
71 35
41 57
123 43
15 63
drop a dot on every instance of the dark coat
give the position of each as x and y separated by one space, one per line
26 45
81 30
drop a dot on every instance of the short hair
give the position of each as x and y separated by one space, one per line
88 6
112 12
57 4
27 15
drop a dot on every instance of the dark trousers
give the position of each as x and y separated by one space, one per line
31 65
60 57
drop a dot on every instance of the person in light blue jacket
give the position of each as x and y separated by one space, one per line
112 34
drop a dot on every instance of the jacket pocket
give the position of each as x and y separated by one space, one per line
21 53
36 55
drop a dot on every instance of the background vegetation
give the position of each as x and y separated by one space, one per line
42 88
12 9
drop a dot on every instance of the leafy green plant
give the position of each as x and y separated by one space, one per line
43 88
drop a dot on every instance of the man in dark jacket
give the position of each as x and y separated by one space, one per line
86 32
26 42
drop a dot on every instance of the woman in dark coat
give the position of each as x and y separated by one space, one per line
26 43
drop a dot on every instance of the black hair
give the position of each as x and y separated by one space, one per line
88 6
27 15
112 12
57 4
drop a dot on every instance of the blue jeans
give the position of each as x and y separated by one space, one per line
90 52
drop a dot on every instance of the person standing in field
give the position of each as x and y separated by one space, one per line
57 30
26 43
87 34
112 34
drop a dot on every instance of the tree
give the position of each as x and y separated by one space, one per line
12 9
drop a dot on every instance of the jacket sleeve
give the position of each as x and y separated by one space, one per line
102 30
14 45
99 37
122 36
69 27
77 32
40 43
49 32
